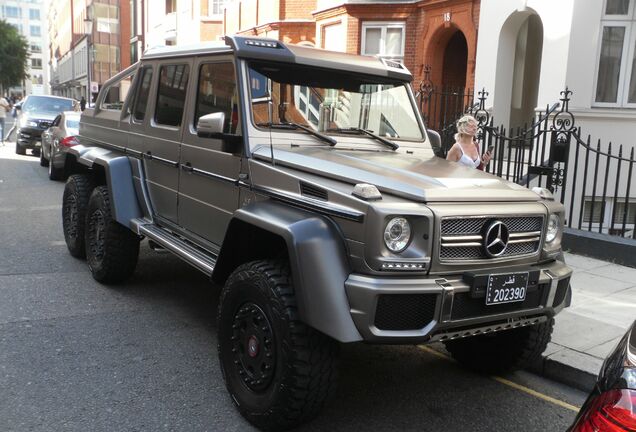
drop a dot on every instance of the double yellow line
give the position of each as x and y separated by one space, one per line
509 383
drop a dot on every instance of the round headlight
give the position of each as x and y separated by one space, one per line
397 234
553 228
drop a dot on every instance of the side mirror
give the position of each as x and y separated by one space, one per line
436 142
17 106
211 126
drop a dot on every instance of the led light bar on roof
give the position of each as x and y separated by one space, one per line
392 64
264 44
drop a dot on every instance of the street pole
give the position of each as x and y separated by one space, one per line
88 30
88 70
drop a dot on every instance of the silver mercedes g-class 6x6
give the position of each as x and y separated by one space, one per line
305 183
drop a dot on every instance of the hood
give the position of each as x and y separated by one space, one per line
40 115
417 177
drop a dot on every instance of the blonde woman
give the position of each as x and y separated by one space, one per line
466 150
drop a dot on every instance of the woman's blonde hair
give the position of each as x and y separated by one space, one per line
467 125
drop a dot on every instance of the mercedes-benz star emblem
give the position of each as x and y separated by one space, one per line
496 239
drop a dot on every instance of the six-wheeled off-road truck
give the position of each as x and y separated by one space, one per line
305 183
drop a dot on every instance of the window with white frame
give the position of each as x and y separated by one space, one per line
384 39
215 7
11 12
609 215
616 67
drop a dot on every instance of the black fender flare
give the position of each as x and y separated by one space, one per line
317 256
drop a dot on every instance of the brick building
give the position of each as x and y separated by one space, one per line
439 33
79 58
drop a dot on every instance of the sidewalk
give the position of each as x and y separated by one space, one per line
603 307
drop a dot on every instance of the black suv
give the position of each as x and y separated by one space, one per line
35 115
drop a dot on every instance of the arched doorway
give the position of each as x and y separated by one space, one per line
455 62
518 69
447 55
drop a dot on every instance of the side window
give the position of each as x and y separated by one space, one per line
143 91
116 94
217 93
173 82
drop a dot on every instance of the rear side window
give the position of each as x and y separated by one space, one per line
116 94
72 123
143 91
173 82
217 93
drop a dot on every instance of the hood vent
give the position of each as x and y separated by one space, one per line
312 191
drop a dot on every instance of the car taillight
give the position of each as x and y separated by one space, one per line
612 411
69 141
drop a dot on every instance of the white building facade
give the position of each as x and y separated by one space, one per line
172 22
29 17
528 51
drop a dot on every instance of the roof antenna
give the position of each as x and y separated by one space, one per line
270 113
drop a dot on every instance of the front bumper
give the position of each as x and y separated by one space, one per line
30 137
391 310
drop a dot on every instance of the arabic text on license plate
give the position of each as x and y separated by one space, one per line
506 288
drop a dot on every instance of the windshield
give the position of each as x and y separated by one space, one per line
331 101
47 104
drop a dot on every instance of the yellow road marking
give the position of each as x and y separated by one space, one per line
434 352
509 383
536 393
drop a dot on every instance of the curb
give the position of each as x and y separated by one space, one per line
555 369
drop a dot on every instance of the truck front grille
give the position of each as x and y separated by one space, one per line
463 238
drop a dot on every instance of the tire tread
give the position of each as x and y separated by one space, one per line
121 249
312 374
82 185
499 352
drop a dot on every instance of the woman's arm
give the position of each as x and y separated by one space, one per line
453 154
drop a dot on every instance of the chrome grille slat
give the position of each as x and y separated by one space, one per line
461 238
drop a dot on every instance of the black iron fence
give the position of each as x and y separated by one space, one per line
442 106
595 182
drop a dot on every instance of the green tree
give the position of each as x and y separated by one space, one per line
13 56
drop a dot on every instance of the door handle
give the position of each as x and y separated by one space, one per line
187 167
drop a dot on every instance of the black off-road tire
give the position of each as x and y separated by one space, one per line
19 149
502 351
112 249
293 367
43 161
77 193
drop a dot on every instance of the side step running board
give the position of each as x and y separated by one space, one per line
184 250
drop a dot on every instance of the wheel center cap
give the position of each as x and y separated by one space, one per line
252 346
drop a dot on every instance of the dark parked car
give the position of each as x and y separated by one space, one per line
612 404
35 115
56 141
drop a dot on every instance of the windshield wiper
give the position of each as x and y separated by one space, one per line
295 126
386 142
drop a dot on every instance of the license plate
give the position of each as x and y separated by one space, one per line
506 288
